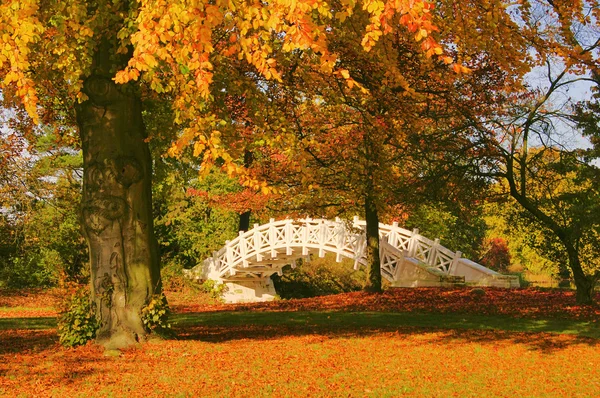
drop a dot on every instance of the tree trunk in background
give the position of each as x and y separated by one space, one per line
584 284
117 210
244 224
373 261
245 221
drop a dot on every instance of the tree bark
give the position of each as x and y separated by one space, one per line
584 284
244 224
117 211
373 261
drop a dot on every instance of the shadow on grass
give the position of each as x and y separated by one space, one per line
226 326
27 340
23 334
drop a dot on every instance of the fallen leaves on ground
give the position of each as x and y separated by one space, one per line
524 303
250 360
404 362
29 302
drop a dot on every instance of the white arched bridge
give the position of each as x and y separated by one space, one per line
408 259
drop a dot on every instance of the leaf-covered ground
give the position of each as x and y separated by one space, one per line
346 345
524 303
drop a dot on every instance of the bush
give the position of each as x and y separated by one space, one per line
77 323
26 272
213 289
173 279
319 277
497 255
156 313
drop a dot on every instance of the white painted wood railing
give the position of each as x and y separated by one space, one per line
265 249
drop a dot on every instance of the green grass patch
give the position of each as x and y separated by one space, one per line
38 323
330 322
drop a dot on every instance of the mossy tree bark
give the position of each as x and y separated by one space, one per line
117 210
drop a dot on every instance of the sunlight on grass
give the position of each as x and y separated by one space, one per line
276 350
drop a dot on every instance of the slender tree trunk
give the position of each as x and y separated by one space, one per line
373 261
245 221
244 224
117 210
583 283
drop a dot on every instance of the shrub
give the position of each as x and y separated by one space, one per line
77 323
319 277
497 255
214 289
156 313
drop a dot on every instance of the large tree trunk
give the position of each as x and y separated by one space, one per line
373 261
117 211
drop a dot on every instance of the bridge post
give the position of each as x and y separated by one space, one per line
228 252
243 248
257 243
322 238
272 238
413 242
341 239
305 234
433 253
289 234
454 263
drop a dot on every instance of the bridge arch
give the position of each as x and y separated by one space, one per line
246 263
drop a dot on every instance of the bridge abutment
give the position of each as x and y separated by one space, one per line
249 291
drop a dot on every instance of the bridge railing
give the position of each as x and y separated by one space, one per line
417 246
345 238
265 248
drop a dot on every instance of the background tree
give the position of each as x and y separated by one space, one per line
391 143
40 196
533 143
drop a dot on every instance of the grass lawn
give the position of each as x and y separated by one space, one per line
344 345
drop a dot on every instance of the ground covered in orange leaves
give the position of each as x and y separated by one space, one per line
525 303
277 350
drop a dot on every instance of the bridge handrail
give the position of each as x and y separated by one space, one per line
349 242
